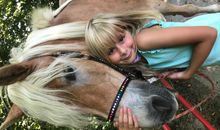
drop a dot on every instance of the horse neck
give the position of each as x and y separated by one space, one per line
83 10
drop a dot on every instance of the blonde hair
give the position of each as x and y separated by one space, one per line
102 31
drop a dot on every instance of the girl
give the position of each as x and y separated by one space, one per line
133 38
144 37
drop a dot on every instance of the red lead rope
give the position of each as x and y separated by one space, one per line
191 108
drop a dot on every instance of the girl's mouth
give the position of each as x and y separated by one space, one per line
128 56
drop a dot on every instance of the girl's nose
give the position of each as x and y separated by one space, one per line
121 49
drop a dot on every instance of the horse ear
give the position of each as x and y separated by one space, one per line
16 72
14 114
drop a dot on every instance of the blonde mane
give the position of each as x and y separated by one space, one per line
31 48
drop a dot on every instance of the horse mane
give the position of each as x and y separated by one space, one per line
31 94
31 48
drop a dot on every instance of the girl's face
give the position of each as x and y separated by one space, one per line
124 51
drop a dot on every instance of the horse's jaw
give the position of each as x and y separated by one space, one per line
152 105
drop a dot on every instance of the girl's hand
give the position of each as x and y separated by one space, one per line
127 121
174 74
183 75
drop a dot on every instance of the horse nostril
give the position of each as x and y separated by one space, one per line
69 69
161 105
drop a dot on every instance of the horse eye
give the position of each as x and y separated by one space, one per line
71 74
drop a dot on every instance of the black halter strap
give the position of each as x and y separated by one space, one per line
117 99
134 74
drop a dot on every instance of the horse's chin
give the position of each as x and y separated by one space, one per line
152 105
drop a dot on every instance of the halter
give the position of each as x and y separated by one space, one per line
134 74
129 76
117 99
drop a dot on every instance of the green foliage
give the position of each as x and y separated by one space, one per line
15 21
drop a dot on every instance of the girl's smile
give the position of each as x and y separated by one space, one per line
125 50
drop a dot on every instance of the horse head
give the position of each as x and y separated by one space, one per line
52 78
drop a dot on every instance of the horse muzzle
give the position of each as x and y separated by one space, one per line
152 104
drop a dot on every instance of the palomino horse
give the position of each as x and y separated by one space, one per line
52 78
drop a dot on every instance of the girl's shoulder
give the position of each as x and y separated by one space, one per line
153 23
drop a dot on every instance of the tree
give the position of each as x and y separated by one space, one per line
15 23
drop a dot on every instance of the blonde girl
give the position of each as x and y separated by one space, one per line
135 37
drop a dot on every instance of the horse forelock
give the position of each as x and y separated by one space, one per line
32 96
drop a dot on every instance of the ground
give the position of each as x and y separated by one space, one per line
197 88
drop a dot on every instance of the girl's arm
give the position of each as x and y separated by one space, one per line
202 37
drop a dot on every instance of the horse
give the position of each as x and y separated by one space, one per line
52 77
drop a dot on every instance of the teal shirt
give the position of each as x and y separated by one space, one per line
179 57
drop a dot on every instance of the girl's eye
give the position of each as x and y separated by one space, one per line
121 38
111 51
